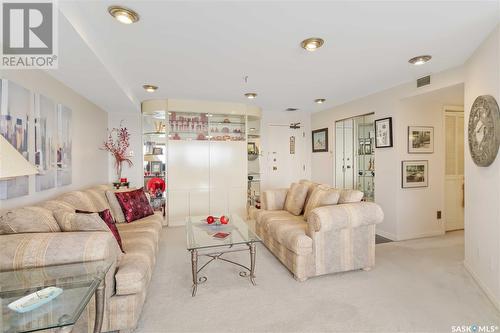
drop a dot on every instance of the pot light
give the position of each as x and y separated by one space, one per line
123 15
420 60
312 44
319 100
291 109
250 95
252 128
150 88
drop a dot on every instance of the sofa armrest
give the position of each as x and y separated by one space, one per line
274 199
342 216
55 248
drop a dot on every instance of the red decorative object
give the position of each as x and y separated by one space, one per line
106 216
210 219
224 219
123 180
156 186
134 204
117 144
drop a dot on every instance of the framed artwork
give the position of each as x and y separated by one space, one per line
414 174
251 148
383 133
320 140
64 146
156 167
420 139
292 145
157 151
15 110
45 142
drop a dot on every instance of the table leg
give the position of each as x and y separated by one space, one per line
99 307
252 263
194 270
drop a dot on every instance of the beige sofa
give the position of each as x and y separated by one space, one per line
333 238
127 280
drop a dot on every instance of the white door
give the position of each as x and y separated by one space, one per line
284 168
454 168
344 156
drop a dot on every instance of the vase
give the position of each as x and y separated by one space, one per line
118 171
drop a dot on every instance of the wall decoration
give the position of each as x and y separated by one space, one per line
320 140
64 146
383 131
251 148
484 130
420 139
292 145
117 144
157 151
45 142
16 105
414 174
156 167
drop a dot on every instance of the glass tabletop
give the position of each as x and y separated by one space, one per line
77 282
200 234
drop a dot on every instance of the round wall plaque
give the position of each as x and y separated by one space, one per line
484 130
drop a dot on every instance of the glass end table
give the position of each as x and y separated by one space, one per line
201 242
79 282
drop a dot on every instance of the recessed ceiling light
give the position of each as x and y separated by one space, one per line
150 88
291 109
319 100
312 44
252 128
420 60
250 95
123 14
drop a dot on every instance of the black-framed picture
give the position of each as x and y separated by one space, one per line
320 140
156 167
414 174
383 133
420 139
157 151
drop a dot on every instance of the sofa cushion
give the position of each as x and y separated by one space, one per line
292 235
350 196
135 205
98 198
114 205
310 188
321 196
54 205
295 198
79 200
106 216
70 221
268 220
27 219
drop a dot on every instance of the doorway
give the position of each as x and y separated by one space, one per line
454 201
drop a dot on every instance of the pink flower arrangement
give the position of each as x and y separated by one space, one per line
117 144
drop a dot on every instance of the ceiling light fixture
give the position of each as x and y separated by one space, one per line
420 60
291 109
150 88
252 128
123 14
319 100
250 95
312 44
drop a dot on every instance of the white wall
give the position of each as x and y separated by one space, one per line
399 205
89 124
482 190
133 123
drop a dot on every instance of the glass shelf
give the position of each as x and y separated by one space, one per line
188 126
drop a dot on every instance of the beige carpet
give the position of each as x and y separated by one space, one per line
416 286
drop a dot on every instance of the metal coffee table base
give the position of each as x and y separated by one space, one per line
248 272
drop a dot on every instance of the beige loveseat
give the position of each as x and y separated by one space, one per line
333 238
127 280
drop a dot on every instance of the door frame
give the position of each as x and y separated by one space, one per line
449 108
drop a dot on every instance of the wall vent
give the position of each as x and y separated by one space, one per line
423 81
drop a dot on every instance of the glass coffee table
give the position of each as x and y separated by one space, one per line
78 283
201 242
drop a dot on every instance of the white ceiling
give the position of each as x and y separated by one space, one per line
203 49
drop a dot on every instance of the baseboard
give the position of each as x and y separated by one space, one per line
483 287
387 235
422 235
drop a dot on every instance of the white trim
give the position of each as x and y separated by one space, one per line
423 235
483 286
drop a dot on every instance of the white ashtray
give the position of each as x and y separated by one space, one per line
34 300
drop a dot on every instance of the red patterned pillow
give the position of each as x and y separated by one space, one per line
110 222
134 204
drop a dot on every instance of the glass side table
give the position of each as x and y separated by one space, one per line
79 283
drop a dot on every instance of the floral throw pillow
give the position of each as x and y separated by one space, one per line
134 204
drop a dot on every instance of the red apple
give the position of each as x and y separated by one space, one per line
224 219
210 219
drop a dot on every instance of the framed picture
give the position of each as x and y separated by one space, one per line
414 174
383 131
420 140
157 151
320 140
292 145
251 148
156 167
